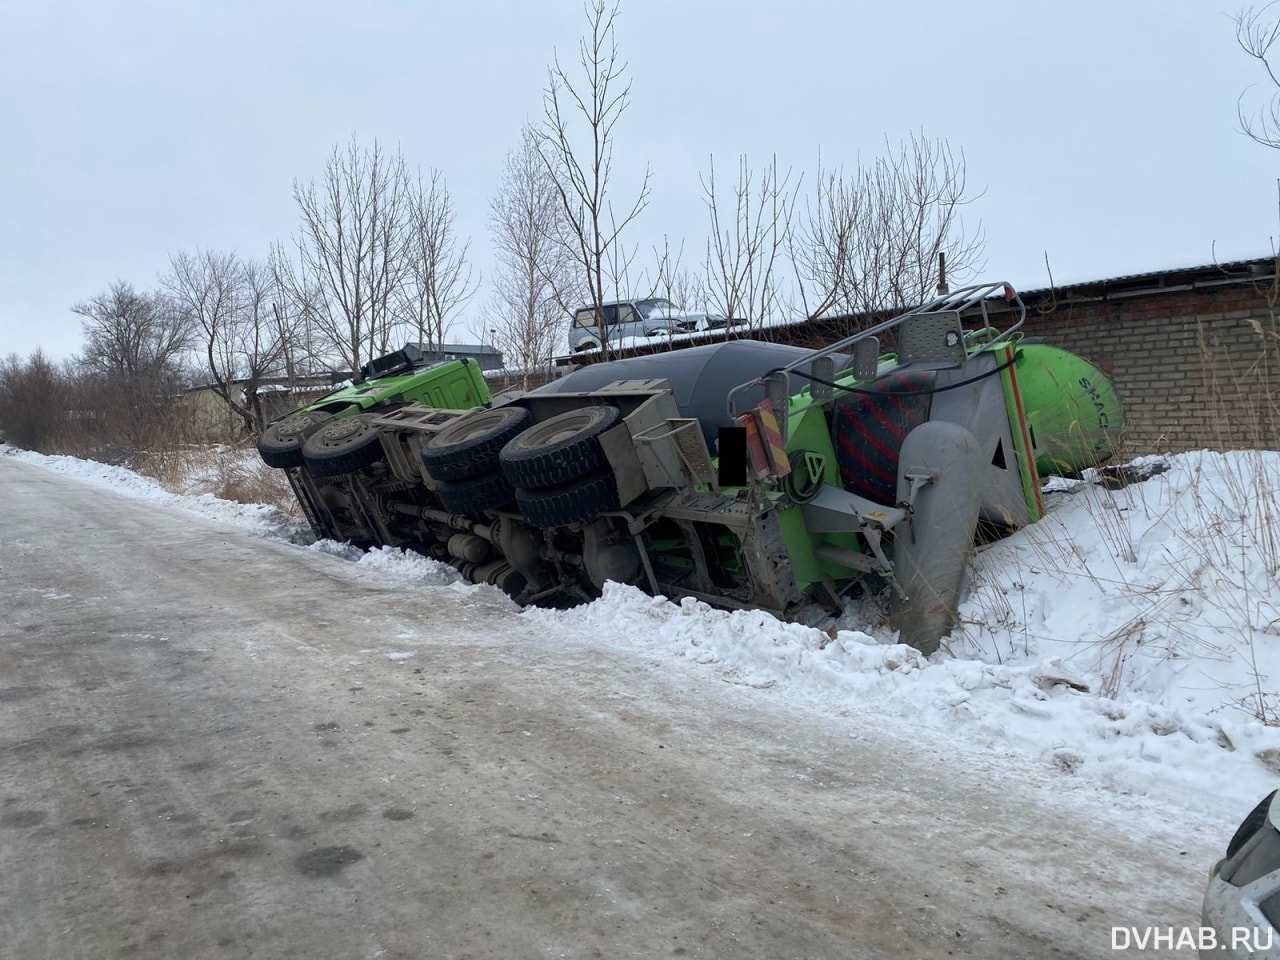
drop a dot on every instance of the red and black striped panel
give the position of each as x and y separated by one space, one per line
868 427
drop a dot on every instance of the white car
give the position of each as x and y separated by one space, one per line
1242 903
623 320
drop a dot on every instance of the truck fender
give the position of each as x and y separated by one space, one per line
939 471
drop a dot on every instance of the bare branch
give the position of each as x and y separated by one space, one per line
226 301
749 233
534 285
870 241
581 164
1257 32
437 280
352 248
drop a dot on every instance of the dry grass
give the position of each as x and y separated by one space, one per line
169 468
1223 556
227 471
261 485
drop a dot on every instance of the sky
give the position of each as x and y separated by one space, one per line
1116 654
1101 134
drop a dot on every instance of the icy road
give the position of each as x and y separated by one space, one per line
214 745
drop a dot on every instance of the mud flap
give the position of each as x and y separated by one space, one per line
939 470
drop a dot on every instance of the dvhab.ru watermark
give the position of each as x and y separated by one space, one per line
1243 940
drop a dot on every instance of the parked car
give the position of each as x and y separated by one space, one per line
1242 903
621 319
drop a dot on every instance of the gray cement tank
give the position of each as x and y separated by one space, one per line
700 377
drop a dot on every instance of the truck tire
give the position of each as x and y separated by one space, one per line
476 494
469 446
342 446
280 445
559 450
559 506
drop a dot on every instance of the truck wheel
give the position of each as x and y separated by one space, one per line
560 450
477 494
343 446
469 446
570 503
280 445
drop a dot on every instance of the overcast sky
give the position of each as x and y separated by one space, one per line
1103 132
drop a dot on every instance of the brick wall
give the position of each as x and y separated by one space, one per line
1194 368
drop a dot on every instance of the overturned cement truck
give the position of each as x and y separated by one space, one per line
745 474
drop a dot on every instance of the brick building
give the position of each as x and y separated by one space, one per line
1194 353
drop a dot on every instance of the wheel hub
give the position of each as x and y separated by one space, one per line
342 430
293 431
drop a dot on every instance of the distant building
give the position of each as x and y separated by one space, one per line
488 357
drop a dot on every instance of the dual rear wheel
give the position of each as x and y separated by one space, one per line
463 459
555 471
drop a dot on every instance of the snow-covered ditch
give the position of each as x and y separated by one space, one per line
1129 643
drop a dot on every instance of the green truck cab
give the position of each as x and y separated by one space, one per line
329 437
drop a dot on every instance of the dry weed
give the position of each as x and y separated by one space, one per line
169 468
227 471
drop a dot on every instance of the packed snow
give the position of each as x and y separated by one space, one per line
1127 644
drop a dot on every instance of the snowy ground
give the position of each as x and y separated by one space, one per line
1127 645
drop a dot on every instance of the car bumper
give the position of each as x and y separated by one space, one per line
1232 923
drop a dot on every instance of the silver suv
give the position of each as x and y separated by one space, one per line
631 318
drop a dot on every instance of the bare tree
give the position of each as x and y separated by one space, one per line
582 171
352 249
378 258
293 310
134 338
436 281
750 233
870 242
1257 32
242 339
268 337
33 402
134 344
674 281
535 284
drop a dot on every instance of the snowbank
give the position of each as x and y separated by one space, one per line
258 519
1129 642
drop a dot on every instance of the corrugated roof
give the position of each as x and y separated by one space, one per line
1231 270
